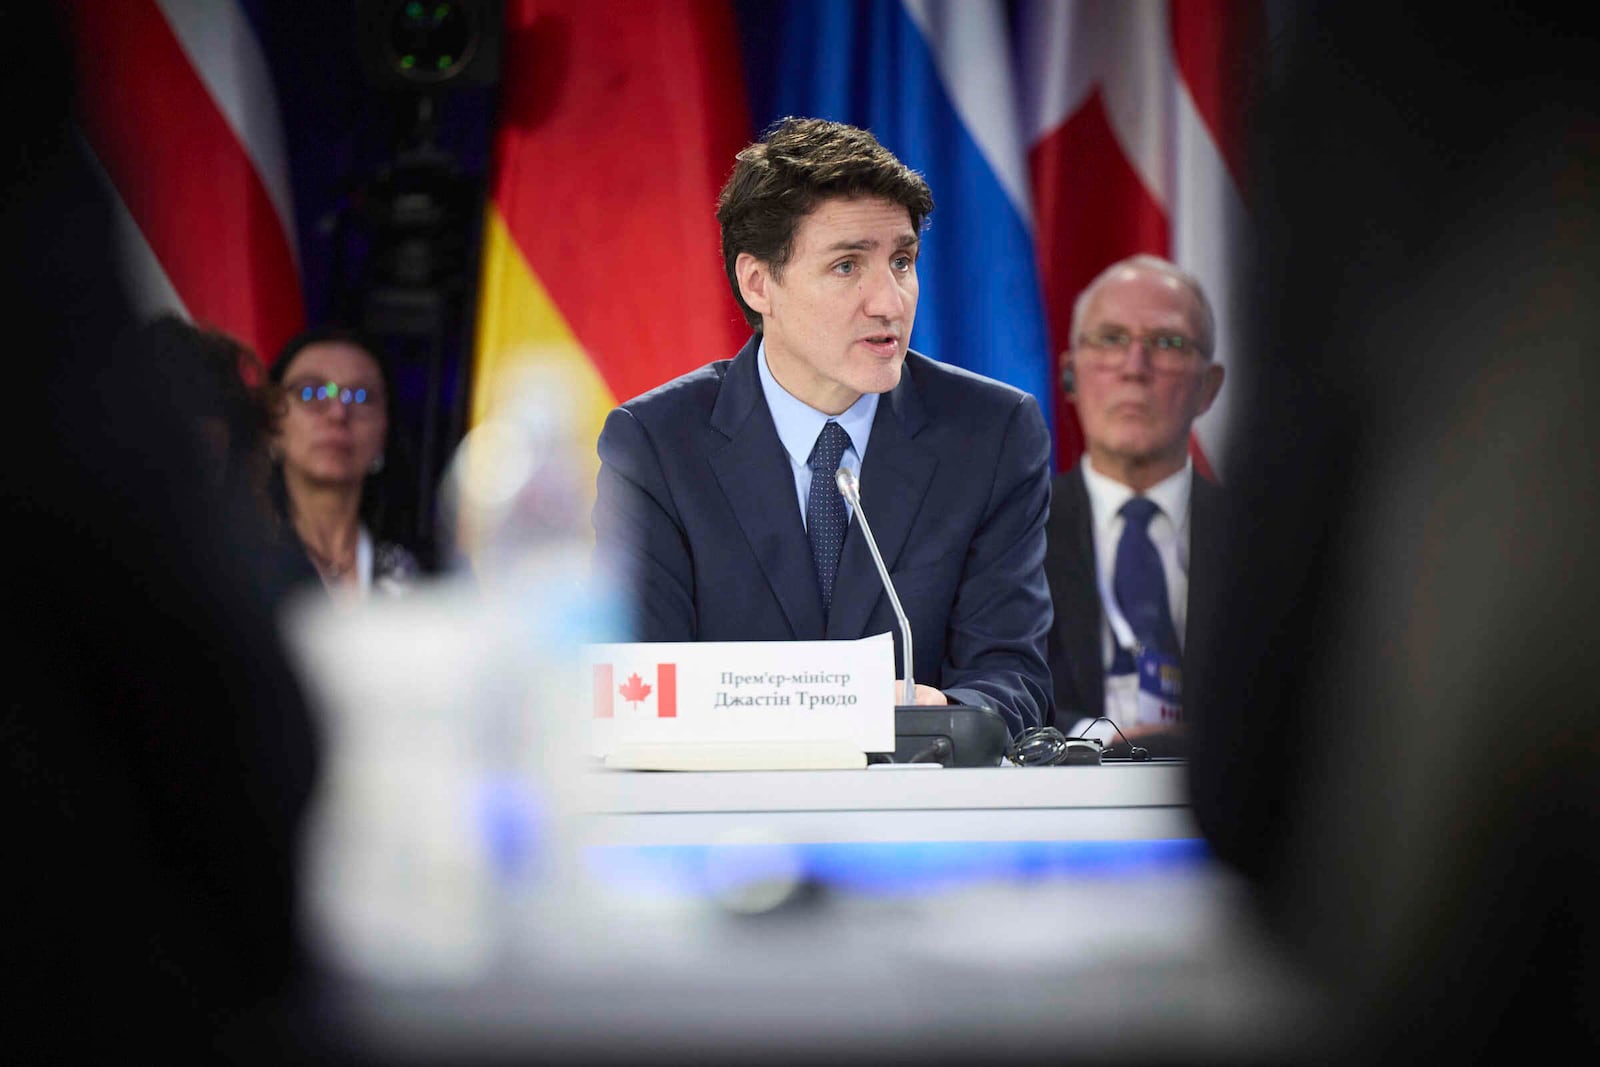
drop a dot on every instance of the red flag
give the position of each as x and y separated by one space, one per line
618 125
177 105
1135 118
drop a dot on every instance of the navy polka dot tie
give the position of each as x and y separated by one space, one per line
825 518
1140 581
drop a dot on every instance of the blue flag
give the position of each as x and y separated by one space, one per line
902 72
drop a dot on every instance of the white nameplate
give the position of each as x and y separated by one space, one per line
838 692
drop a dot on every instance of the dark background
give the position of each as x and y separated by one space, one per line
388 177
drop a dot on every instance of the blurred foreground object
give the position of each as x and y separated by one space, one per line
455 724
515 492
1402 747
157 754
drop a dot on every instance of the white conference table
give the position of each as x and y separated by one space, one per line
1158 963
1111 802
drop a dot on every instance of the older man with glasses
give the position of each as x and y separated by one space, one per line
1126 522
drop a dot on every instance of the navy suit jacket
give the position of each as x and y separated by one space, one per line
1076 657
697 505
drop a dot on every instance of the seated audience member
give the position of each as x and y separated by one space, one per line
1126 523
218 384
333 424
216 381
717 489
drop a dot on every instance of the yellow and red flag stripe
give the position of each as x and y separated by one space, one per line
618 125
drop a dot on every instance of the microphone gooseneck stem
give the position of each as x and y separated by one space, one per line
846 481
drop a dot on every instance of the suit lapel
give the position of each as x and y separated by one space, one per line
894 483
753 471
1079 631
1206 534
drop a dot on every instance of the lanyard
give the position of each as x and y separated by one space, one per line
1121 632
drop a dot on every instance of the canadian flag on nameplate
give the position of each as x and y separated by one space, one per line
636 691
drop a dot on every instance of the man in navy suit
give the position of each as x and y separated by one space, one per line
707 497
1133 531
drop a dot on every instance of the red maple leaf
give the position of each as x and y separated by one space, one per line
634 690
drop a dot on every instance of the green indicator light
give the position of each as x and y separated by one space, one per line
445 61
414 10
407 62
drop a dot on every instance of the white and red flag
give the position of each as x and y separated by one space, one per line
659 694
1134 113
177 105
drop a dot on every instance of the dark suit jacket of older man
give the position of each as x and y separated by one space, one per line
697 506
1075 654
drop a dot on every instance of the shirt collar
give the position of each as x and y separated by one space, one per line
1107 495
799 423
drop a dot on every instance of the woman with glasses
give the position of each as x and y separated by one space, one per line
333 424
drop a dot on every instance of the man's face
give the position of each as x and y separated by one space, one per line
838 322
1136 417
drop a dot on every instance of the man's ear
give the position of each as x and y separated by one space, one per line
755 278
1210 386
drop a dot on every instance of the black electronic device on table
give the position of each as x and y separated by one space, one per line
954 735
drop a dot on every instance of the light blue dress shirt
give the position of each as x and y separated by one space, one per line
799 424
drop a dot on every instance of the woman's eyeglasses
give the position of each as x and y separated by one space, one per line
321 396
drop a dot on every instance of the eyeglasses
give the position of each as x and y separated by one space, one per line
321 396
1108 350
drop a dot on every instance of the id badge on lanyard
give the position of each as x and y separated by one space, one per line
1156 681
1160 688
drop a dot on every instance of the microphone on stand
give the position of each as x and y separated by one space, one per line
953 735
846 481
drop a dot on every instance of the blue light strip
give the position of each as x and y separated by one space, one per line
896 867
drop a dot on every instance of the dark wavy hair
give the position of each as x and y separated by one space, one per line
797 164
208 374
